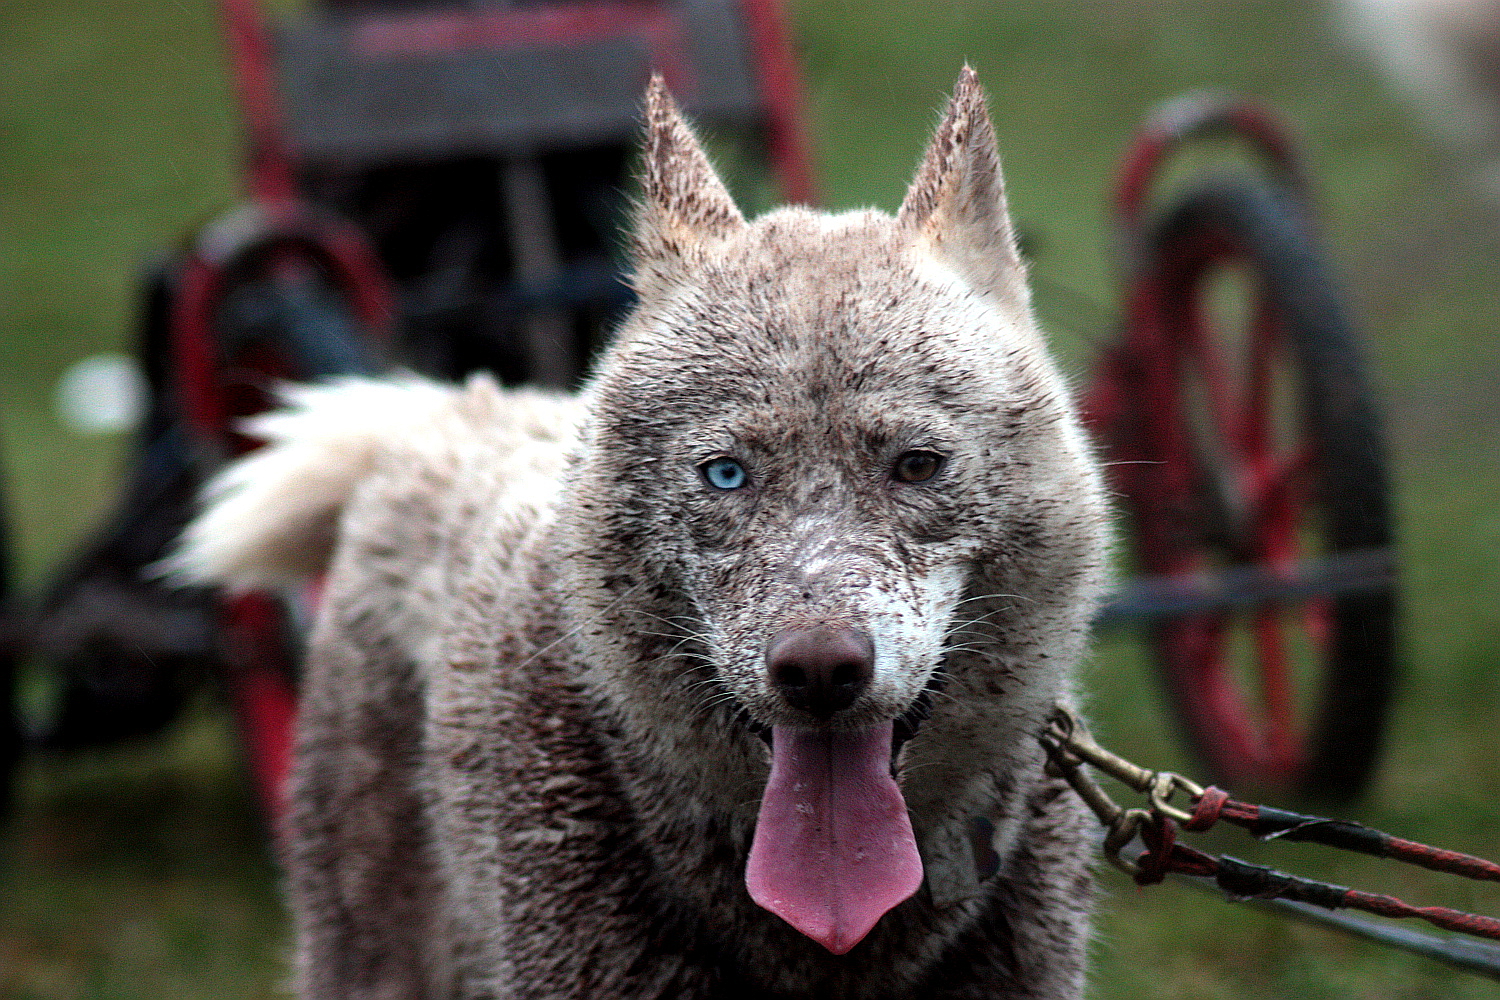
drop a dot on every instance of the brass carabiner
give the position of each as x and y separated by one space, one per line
1163 785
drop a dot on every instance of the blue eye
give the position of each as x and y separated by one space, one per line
723 473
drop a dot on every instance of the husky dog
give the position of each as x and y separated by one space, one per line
722 678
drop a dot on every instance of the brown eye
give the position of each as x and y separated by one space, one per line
918 466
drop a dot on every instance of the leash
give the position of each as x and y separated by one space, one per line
1069 747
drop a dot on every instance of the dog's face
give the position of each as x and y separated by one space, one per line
832 467
826 435
836 424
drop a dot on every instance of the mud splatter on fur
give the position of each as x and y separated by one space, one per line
533 740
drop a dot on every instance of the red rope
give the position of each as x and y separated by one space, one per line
1207 812
1452 862
1215 804
1165 855
1440 916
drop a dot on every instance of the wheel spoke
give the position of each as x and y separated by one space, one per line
1253 439
1317 619
1277 700
1216 380
1212 691
1258 719
1285 475
1277 512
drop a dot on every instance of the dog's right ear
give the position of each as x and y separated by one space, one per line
684 206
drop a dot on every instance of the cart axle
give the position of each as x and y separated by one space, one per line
1159 597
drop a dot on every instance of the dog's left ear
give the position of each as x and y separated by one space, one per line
684 206
955 207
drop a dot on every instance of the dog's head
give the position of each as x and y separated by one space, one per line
830 470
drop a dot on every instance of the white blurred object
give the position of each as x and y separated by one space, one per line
101 394
1445 54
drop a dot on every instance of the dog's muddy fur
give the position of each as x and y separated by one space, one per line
544 693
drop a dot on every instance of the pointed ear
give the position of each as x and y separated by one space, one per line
955 207
684 205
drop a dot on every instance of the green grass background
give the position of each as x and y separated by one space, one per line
140 872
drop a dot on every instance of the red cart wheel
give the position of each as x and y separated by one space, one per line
269 294
1260 445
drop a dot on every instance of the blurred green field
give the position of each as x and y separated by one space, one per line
141 873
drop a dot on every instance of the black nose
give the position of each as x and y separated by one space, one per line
820 670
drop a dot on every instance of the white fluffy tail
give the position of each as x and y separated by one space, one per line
270 518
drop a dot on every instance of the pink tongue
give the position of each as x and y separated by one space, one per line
833 848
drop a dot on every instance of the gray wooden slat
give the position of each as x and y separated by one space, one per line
345 107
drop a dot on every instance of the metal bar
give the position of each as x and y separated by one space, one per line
423 34
548 335
1156 597
776 75
1479 957
270 169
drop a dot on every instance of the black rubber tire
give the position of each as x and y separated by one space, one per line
87 626
1347 720
270 331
